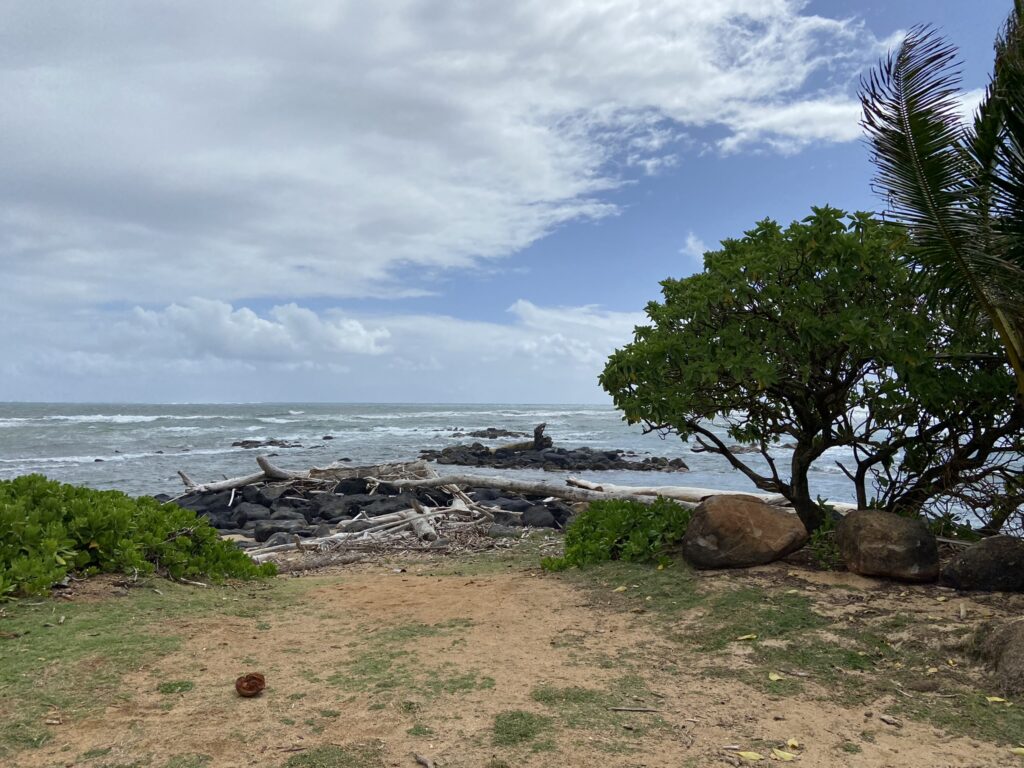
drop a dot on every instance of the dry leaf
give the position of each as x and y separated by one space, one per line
932 670
994 699
619 589
661 566
951 662
751 756
774 676
941 599
793 744
747 637
1017 750
781 755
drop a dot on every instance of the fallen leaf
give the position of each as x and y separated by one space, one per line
1017 751
951 662
751 756
774 676
784 756
792 591
661 566
941 599
793 744
994 699
747 637
619 589
932 670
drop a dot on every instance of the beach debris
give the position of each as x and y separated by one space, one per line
250 684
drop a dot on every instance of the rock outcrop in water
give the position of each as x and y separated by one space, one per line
541 454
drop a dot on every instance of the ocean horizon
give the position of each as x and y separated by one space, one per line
139 448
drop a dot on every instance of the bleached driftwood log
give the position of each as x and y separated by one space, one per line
686 494
334 472
525 487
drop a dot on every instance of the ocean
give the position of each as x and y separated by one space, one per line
138 449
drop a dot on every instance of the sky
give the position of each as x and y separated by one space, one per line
406 201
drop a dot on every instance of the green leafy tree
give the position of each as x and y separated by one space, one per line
959 188
816 335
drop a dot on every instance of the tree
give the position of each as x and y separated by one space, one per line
816 334
958 188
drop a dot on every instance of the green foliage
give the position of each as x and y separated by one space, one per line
959 188
817 334
823 547
48 530
621 530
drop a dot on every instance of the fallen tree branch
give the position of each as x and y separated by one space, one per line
691 495
521 487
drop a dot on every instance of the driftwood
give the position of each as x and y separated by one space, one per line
527 488
689 495
332 473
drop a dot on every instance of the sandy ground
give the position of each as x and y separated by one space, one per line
520 629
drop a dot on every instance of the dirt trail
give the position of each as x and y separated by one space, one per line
419 663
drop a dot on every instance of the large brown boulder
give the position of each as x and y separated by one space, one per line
740 531
876 543
995 564
1003 648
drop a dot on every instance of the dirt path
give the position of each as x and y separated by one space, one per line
508 668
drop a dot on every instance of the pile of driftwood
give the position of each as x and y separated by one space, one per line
460 518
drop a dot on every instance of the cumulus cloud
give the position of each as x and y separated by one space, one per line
210 350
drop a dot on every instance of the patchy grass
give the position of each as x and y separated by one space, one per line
189 761
420 730
388 665
591 708
176 686
94 643
515 727
350 756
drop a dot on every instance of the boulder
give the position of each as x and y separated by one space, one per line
876 543
1002 646
264 529
244 512
351 485
739 531
538 516
995 564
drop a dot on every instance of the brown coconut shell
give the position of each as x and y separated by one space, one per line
250 685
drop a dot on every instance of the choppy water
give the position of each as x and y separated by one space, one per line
141 447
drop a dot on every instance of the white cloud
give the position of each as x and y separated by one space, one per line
206 158
217 351
694 247
320 151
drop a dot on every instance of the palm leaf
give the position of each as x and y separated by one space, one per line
958 190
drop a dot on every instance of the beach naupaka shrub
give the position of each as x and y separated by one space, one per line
48 529
617 529
818 335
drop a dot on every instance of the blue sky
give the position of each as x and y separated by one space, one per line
412 201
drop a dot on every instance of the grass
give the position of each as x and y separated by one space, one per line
420 730
387 665
577 707
845 664
515 727
176 686
350 756
47 643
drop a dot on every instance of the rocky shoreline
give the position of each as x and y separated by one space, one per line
276 513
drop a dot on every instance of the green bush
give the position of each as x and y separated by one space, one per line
621 530
823 546
48 529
